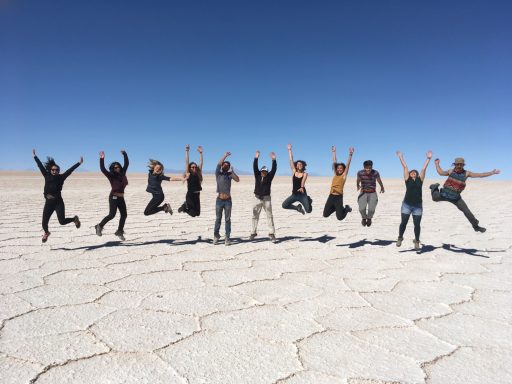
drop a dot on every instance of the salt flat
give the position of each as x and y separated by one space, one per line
331 302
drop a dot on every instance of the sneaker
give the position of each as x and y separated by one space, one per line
120 234
227 241
348 208
98 229
479 229
216 239
272 238
167 208
435 186
253 236
76 220
399 241
363 222
45 237
416 245
368 222
181 209
300 208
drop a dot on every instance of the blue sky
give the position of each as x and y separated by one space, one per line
77 77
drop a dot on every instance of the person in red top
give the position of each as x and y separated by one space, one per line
117 177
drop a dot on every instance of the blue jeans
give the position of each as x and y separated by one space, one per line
301 198
222 205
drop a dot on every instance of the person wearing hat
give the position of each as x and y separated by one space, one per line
366 183
224 173
334 202
262 185
454 185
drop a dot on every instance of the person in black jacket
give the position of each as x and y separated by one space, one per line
155 178
53 182
262 185
116 175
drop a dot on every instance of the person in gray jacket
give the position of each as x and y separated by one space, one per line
224 173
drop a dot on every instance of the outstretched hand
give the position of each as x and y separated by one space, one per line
102 155
399 154
33 153
351 151
272 155
227 154
333 149
187 147
495 171
123 152
199 149
437 161
289 146
81 160
257 154
429 154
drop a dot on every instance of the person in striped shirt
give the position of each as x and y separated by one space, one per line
454 185
367 180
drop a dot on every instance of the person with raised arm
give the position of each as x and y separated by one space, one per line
299 193
116 175
413 201
367 200
194 175
454 185
224 173
155 178
53 183
334 202
262 186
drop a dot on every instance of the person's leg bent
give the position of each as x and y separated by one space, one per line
288 203
112 205
60 209
153 205
304 200
329 207
461 204
341 213
48 209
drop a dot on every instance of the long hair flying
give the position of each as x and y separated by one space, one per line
153 163
50 162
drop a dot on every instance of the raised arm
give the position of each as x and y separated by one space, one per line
200 150
334 158
425 165
126 161
404 165
484 174
102 164
274 165
290 155
224 157
39 164
75 166
440 170
187 149
349 160
255 167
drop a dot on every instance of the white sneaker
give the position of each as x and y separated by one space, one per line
272 238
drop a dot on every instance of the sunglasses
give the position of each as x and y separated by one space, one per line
461 164
55 169
117 167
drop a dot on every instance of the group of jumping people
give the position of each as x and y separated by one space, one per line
366 184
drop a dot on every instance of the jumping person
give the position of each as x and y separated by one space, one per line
367 200
454 186
224 174
262 185
194 175
155 178
299 193
334 202
53 183
413 202
118 180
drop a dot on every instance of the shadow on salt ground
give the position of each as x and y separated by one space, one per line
453 248
322 239
362 243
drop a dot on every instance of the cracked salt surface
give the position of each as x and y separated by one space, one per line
331 302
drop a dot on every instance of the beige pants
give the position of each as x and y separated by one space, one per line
266 204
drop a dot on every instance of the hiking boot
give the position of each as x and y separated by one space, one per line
368 222
98 229
417 245
479 229
272 238
167 208
399 241
216 239
348 208
363 222
227 241
253 236
120 234
45 237
433 187
300 208
76 220
181 209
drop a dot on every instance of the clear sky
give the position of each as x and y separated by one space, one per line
77 77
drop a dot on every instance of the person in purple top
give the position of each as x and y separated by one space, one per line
367 180
116 175
53 183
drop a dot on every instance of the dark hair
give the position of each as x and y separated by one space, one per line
153 163
50 162
368 163
113 164
414 170
226 162
300 161
342 164
198 170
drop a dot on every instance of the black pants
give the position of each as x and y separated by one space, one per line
153 205
416 220
115 203
334 203
192 204
57 205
